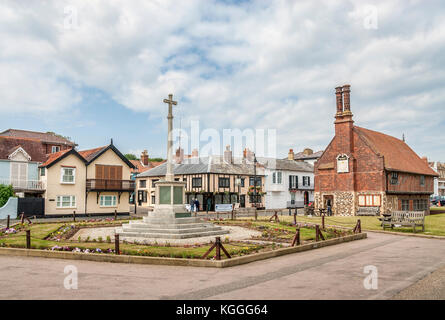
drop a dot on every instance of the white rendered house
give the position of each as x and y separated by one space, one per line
287 182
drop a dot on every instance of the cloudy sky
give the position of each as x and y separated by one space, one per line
95 70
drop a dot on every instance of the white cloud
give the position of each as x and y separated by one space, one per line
256 64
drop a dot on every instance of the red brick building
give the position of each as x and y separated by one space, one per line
363 170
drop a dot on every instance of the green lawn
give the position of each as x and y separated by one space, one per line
434 224
40 231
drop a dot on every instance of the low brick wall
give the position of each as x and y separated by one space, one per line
177 261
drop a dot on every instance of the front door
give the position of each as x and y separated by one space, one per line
328 201
306 198
242 201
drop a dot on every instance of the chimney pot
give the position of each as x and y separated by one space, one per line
291 155
179 157
144 158
228 155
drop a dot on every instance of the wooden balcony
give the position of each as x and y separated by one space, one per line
24 185
110 185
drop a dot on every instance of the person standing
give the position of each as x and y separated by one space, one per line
329 208
209 204
192 205
196 205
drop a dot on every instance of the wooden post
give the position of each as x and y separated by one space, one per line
74 216
28 239
232 215
22 219
296 239
116 244
359 226
7 222
115 215
256 214
218 248
322 222
317 232
295 219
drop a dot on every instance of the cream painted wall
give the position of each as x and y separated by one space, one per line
111 159
55 188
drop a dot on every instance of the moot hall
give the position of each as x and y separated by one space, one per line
364 171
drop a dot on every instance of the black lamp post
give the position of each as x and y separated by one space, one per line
254 180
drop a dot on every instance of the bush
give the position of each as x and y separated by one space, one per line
5 193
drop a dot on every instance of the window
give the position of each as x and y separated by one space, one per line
293 182
196 182
66 202
277 177
153 182
242 182
306 181
176 179
422 181
394 178
153 200
55 149
258 181
42 172
108 201
405 205
420 205
224 182
68 175
142 196
255 198
143 184
369 200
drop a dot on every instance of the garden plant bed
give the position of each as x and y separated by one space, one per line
51 240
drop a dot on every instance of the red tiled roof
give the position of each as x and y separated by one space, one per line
141 168
91 153
50 158
48 137
33 147
397 154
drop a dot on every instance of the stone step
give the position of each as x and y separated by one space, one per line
168 225
175 231
124 234
175 221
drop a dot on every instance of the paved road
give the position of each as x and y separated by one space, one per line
329 273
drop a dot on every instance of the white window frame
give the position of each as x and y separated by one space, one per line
113 201
62 174
277 177
59 202
306 181
56 148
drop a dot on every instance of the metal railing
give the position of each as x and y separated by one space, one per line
18 184
112 185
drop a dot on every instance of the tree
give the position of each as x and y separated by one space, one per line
156 159
5 193
131 156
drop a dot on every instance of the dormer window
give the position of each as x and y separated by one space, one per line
394 178
422 181
55 149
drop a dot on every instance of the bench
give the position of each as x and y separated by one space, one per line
404 219
368 211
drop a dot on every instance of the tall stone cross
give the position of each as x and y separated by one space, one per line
171 103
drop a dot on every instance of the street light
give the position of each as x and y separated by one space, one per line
254 180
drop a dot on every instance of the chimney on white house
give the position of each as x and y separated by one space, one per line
228 155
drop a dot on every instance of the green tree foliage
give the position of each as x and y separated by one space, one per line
156 159
5 193
130 156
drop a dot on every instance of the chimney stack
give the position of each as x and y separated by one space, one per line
195 153
144 158
344 123
248 155
179 156
291 155
339 95
228 155
347 100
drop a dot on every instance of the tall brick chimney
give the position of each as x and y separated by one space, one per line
144 158
228 155
291 155
344 123
195 153
179 156
248 155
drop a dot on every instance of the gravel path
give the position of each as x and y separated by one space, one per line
236 234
